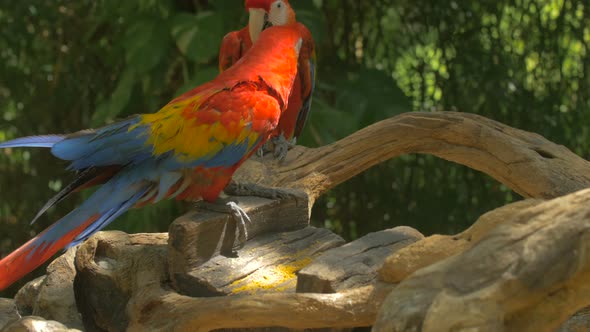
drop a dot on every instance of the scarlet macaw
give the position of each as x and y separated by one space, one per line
236 43
188 150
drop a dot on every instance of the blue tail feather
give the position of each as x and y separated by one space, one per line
107 203
116 144
107 218
44 141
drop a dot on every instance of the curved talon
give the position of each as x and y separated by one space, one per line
238 215
241 218
282 146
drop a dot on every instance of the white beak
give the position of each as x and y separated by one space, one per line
256 23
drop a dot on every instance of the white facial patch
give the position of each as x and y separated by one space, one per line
278 13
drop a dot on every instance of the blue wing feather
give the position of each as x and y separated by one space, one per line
111 145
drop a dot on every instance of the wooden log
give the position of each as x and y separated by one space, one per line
112 267
52 296
354 264
200 235
435 248
8 312
529 273
36 324
123 284
170 311
266 264
580 322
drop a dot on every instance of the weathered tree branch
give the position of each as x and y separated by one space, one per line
435 248
530 273
526 162
354 307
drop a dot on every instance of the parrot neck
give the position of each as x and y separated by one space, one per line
272 59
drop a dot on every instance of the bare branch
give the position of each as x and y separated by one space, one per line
526 162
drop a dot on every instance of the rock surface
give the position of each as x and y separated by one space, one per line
268 263
52 296
435 248
580 322
122 283
354 264
36 324
200 235
8 312
112 266
529 273
27 296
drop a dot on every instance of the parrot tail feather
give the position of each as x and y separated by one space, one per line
84 179
105 219
93 215
35 252
45 141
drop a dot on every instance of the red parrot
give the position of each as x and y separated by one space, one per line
236 43
188 150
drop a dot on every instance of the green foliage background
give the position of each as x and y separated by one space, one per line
67 65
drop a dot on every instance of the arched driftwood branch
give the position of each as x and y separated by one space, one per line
526 162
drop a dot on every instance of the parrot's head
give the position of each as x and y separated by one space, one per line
280 13
266 13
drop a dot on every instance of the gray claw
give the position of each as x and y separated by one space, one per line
282 146
238 215
241 218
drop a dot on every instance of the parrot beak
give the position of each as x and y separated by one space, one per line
267 23
256 23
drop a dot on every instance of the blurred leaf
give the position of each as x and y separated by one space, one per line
118 101
185 31
314 21
342 123
145 44
199 36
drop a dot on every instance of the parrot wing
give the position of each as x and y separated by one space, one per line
233 47
307 74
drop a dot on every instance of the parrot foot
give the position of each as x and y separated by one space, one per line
241 218
251 189
238 216
279 145
282 146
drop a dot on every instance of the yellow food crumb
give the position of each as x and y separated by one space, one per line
277 278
